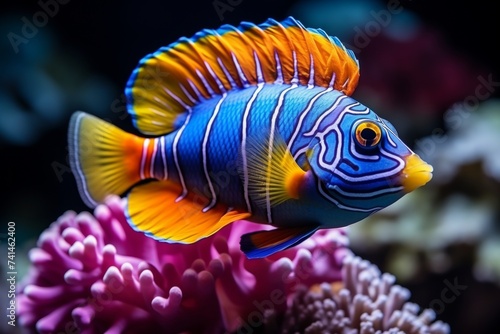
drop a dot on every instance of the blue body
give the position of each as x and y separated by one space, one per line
344 184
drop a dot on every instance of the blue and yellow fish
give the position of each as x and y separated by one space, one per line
254 122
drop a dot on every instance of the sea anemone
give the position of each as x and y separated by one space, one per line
94 274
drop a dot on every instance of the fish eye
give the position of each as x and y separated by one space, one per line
367 134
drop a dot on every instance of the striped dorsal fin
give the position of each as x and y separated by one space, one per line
175 78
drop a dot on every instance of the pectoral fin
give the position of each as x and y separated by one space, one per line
271 171
264 243
152 209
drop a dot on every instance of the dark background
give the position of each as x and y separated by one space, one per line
108 38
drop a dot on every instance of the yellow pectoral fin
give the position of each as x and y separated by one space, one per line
273 173
152 209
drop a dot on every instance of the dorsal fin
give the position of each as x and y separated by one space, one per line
175 78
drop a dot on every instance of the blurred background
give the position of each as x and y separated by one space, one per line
430 69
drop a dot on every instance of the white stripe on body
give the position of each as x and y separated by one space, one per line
365 195
303 115
401 165
270 145
316 125
338 204
175 153
331 166
164 158
352 149
143 157
204 153
244 126
312 132
334 127
176 140
153 156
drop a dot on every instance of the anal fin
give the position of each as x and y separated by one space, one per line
152 209
264 243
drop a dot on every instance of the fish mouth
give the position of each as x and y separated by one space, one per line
416 173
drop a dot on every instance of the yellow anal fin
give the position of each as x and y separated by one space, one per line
153 209
104 159
273 173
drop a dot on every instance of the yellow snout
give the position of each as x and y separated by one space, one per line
416 173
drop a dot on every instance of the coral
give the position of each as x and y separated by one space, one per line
472 136
365 302
94 274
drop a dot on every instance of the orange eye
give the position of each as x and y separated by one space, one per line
368 134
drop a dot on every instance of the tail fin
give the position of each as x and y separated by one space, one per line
104 159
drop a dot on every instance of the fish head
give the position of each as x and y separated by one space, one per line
361 163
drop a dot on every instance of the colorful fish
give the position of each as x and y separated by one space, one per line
252 123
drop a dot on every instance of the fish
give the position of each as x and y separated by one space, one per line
254 122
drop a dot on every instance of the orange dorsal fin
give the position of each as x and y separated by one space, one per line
155 210
177 77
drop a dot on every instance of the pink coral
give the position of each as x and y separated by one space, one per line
94 274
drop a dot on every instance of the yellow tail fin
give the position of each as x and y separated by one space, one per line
104 159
